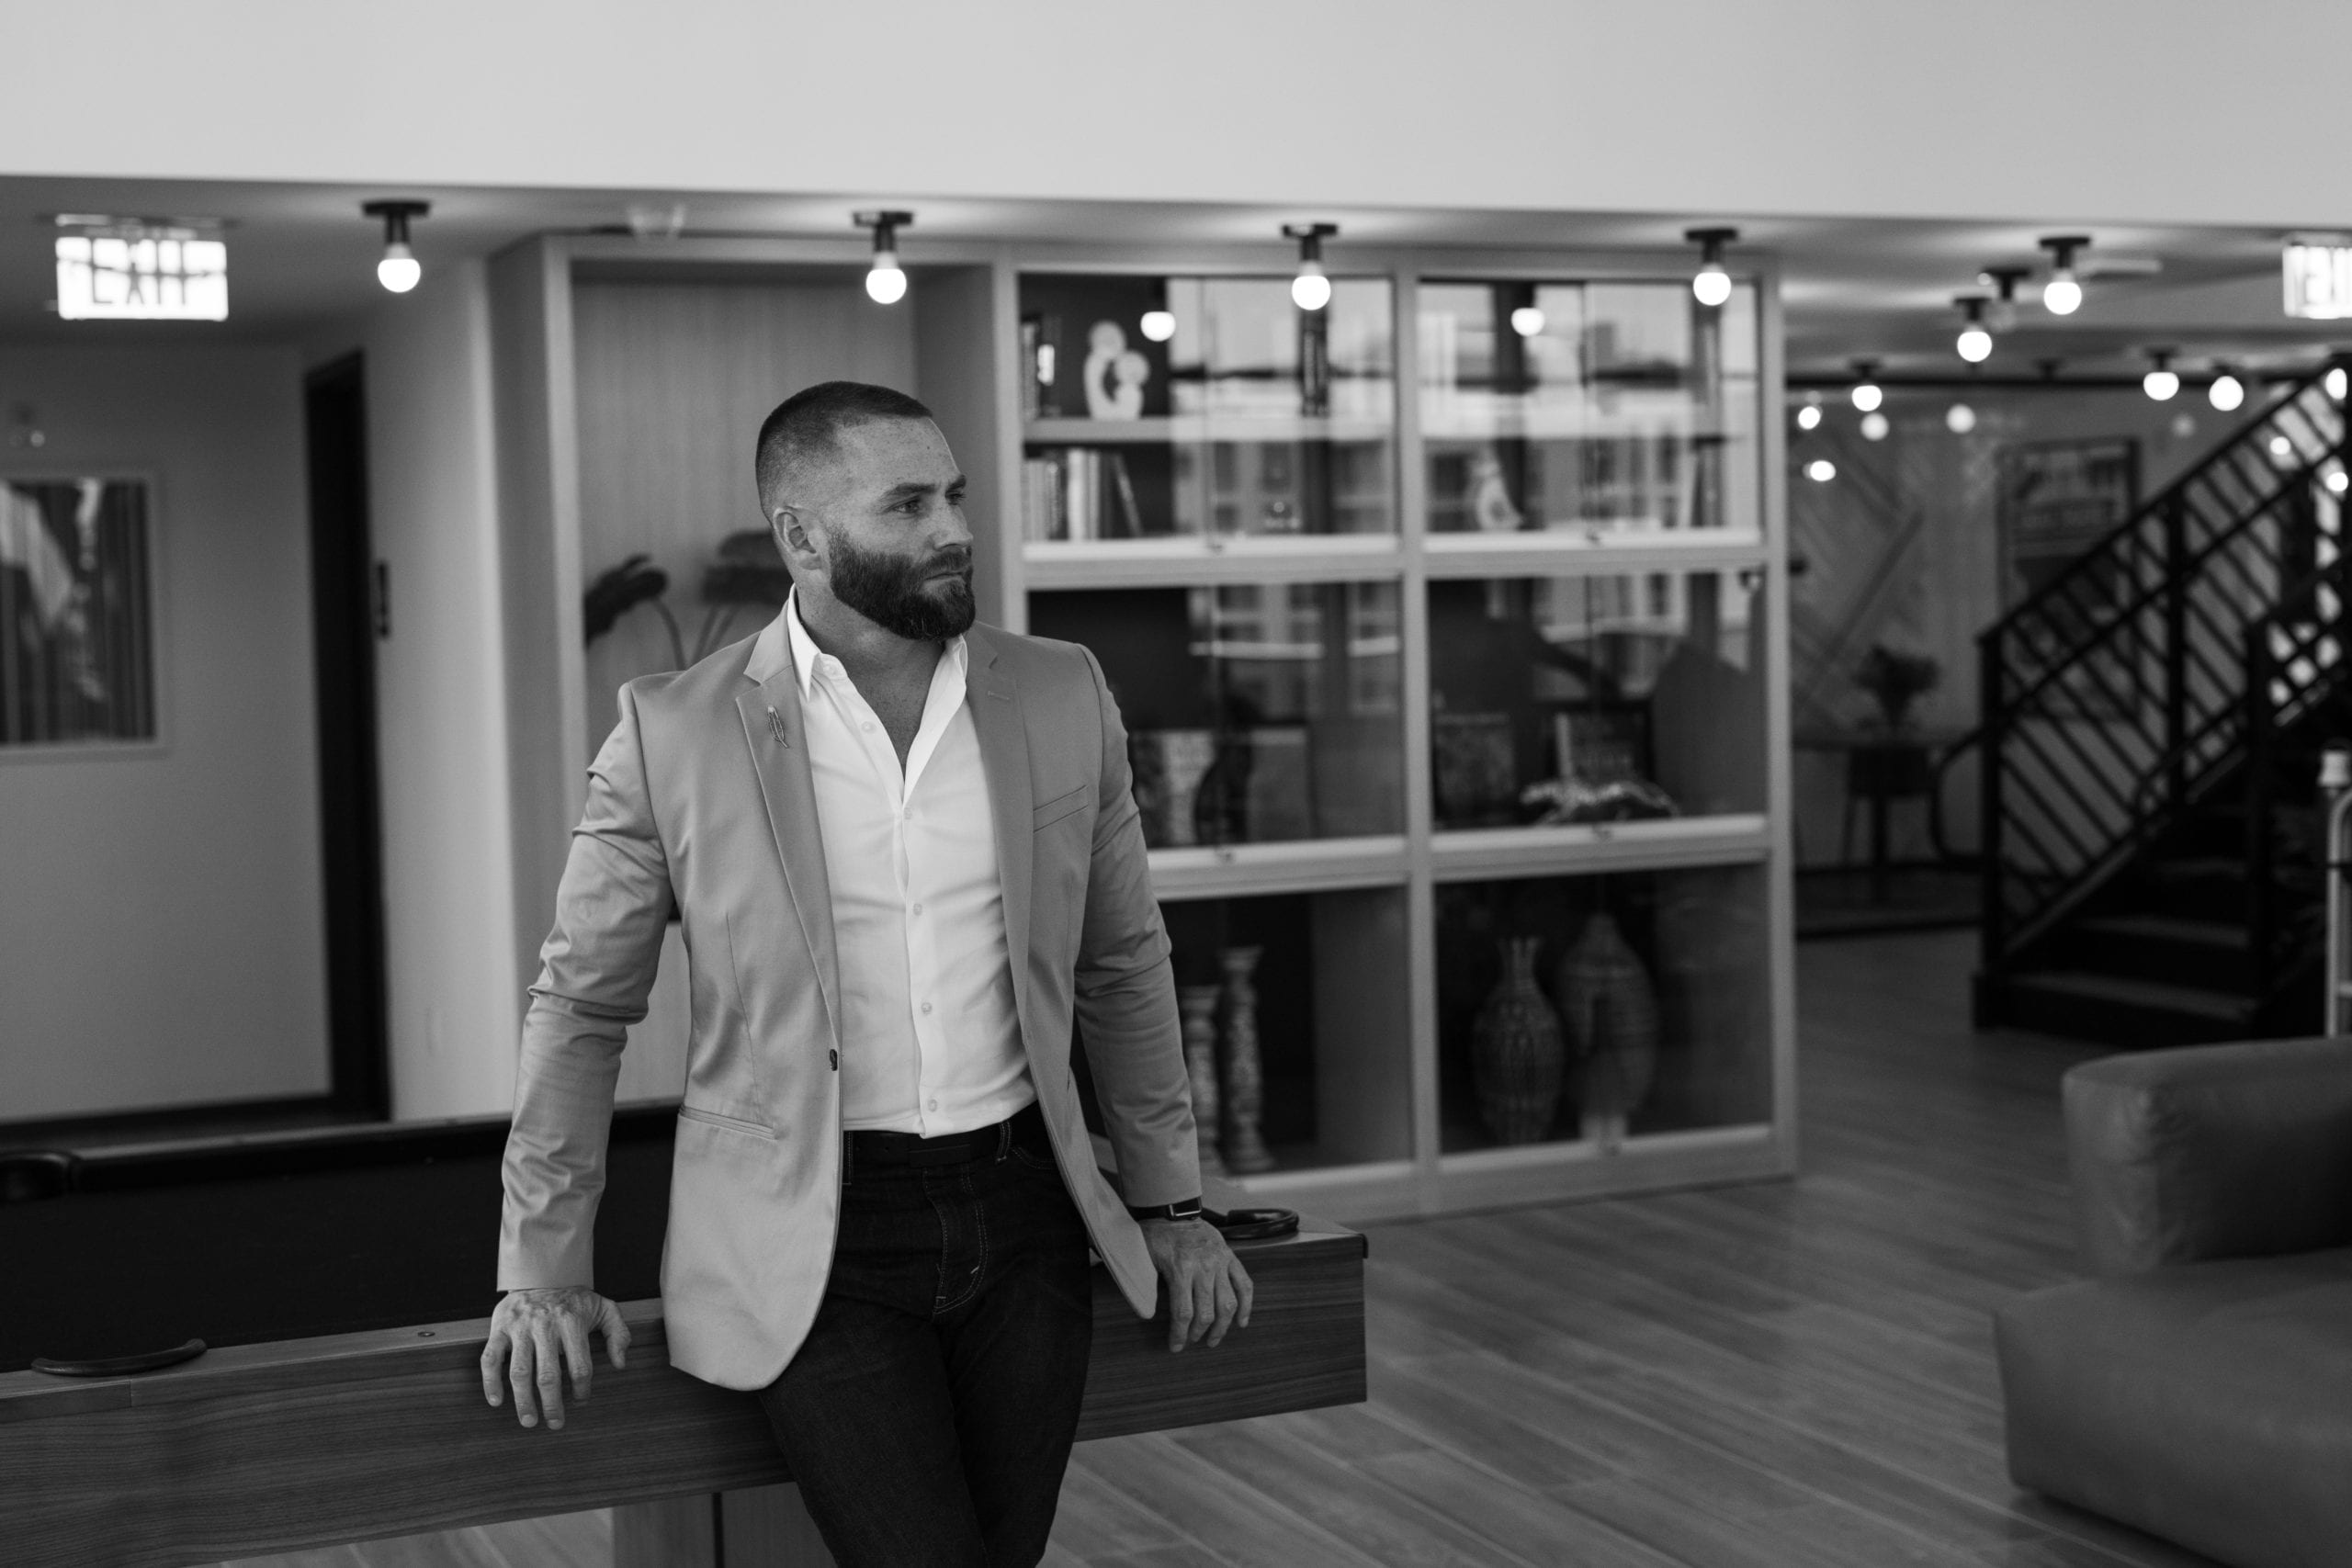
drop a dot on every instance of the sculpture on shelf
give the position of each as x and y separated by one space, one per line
1197 1006
746 570
1245 1084
1113 374
1610 1010
1490 502
1518 1055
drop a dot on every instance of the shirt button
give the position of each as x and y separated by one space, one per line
916 911
926 1007
935 1105
835 1058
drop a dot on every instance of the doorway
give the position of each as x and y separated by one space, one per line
349 610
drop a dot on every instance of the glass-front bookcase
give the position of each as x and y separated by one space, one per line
1444 626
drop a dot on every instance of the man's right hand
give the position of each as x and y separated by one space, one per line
534 1334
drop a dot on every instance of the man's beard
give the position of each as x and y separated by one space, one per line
905 597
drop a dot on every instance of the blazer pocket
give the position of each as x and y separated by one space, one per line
1061 806
729 1123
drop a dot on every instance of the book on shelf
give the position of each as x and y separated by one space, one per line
1079 493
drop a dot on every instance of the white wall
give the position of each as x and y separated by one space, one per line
454 995
161 910
2092 110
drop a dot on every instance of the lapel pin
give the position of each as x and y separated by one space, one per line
776 726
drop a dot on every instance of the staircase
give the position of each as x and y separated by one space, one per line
2151 724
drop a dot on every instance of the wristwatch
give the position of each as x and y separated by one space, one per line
1182 1209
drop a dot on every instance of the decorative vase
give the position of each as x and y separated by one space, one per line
1245 1083
1611 1010
1518 1055
1197 1006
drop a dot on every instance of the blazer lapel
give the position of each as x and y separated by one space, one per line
772 727
1004 761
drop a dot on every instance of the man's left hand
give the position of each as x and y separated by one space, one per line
1208 1290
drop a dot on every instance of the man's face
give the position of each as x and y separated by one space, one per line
888 520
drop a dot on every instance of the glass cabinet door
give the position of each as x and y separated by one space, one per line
1595 697
1192 406
1598 409
1255 712
1602 1007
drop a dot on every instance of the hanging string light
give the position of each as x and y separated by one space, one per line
1975 343
1809 413
886 280
400 271
2001 311
2063 295
2227 392
2162 381
1866 394
1310 289
1710 285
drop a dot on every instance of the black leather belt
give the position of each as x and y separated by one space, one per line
1025 1126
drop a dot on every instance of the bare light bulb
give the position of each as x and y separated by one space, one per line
2061 296
1867 397
885 281
2160 384
1874 426
2336 383
1821 470
399 270
1710 285
1975 344
1158 325
2281 447
2336 481
2227 392
1960 418
1527 321
1310 290
1809 417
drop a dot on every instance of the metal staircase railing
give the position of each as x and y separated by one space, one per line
2117 696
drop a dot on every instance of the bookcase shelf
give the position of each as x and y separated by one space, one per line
1371 580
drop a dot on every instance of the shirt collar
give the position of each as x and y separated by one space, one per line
807 659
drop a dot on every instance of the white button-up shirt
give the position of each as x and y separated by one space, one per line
930 1040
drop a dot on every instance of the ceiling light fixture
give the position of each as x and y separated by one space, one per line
1310 289
1527 320
399 271
2163 381
1158 326
1874 426
1710 285
2336 383
1975 343
2062 296
1960 418
2227 392
1821 470
2001 312
886 280
1809 413
1866 393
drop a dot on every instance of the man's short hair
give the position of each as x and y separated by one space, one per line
809 423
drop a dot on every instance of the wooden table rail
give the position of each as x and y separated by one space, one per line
260 1448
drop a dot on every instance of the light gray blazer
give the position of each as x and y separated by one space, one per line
700 798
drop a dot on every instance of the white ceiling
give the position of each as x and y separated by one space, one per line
302 254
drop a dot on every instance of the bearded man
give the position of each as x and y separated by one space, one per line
905 854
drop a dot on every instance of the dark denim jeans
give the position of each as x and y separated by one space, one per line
929 1415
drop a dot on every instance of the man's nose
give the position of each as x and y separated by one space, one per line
949 530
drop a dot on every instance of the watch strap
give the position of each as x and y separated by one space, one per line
1182 1209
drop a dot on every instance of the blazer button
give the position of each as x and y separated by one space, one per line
835 1058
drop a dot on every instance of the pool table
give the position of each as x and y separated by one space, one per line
343 1280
